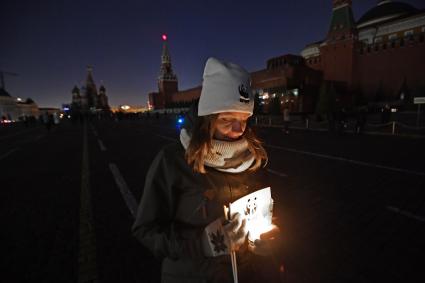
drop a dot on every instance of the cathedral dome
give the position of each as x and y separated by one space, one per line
386 10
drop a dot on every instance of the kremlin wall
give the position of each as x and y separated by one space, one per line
378 59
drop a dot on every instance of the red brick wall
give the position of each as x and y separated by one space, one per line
168 88
391 66
187 95
268 78
337 60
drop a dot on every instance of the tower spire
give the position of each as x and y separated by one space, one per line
340 3
89 79
167 80
342 22
166 72
90 88
380 2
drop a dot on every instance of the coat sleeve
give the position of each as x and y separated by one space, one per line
155 226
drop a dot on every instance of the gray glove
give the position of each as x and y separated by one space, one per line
220 237
236 231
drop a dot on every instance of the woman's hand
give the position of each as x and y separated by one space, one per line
221 237
236 231
267 242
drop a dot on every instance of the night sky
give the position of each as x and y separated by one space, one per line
49 43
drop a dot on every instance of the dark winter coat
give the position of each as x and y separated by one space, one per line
176 206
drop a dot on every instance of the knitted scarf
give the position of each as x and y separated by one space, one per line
225 156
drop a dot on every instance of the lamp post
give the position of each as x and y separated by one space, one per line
418 101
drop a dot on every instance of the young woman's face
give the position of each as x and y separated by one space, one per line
230 125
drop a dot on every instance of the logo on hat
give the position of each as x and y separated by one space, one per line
244 96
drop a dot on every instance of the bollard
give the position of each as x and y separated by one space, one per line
393 127
306 123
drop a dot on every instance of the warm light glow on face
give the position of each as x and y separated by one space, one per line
164 37
230 125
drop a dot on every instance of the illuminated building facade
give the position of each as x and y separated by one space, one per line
287 82
14 109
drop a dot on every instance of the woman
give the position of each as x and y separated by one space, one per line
217 161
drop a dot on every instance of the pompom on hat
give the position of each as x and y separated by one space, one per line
226 87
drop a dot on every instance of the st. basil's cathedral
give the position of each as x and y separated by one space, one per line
88 99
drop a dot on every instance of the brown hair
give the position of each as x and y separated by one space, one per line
200 144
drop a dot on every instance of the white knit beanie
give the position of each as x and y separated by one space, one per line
226 88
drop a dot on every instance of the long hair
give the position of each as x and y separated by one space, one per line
202 133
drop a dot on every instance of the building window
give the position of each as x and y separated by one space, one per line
408 33
378 39
392 36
